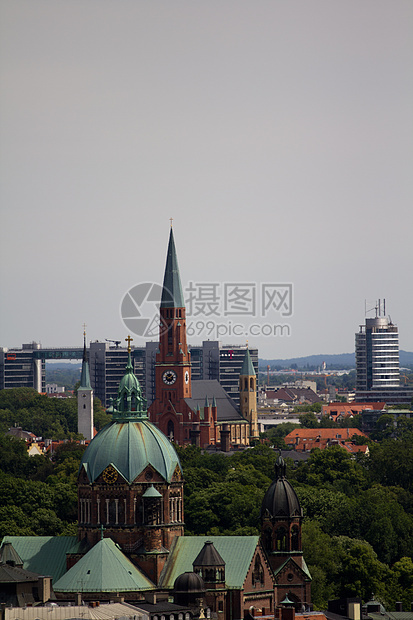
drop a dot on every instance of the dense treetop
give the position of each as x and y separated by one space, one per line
358 512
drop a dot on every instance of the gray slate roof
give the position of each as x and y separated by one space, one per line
226 409
15 574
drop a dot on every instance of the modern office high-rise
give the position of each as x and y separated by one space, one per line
377 355
25 367
211 360
377 361
22 368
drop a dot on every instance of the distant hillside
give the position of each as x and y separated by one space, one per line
338 361
63 374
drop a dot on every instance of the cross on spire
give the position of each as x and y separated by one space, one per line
129 340
171 219
84 329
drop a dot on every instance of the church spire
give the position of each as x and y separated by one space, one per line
247 365
85 374
85 397
172 296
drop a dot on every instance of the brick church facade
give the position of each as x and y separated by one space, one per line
187 411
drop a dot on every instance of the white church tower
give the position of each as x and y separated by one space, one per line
85 399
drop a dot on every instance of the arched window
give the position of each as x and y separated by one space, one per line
245 384
112 511
138 510
258 573
267 538
295 538
170 431
209 574
133 402
252 387
121 511
152 511
281 539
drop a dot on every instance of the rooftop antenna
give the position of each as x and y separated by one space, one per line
366 311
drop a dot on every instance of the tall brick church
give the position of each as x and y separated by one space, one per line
198 412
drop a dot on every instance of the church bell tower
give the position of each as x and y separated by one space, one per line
248 395
169 410
85 398
281 519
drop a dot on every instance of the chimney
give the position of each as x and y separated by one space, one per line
195 435
225 438
287 613
150 597
399 606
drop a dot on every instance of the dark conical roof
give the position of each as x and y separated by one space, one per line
8 555
172 296
281 500
208 556
85 375
190 583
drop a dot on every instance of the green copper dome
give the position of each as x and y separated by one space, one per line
130 442
130 447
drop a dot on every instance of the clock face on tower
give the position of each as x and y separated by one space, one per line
110 475
186 377
169 377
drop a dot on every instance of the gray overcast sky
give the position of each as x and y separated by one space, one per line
277 134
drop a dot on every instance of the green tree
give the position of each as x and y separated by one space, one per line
401 583
334 468
100 417
309 420
391 463
322 562
361 573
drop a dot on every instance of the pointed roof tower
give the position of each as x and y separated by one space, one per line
247 365
85 375
9 555
172 296
208 556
